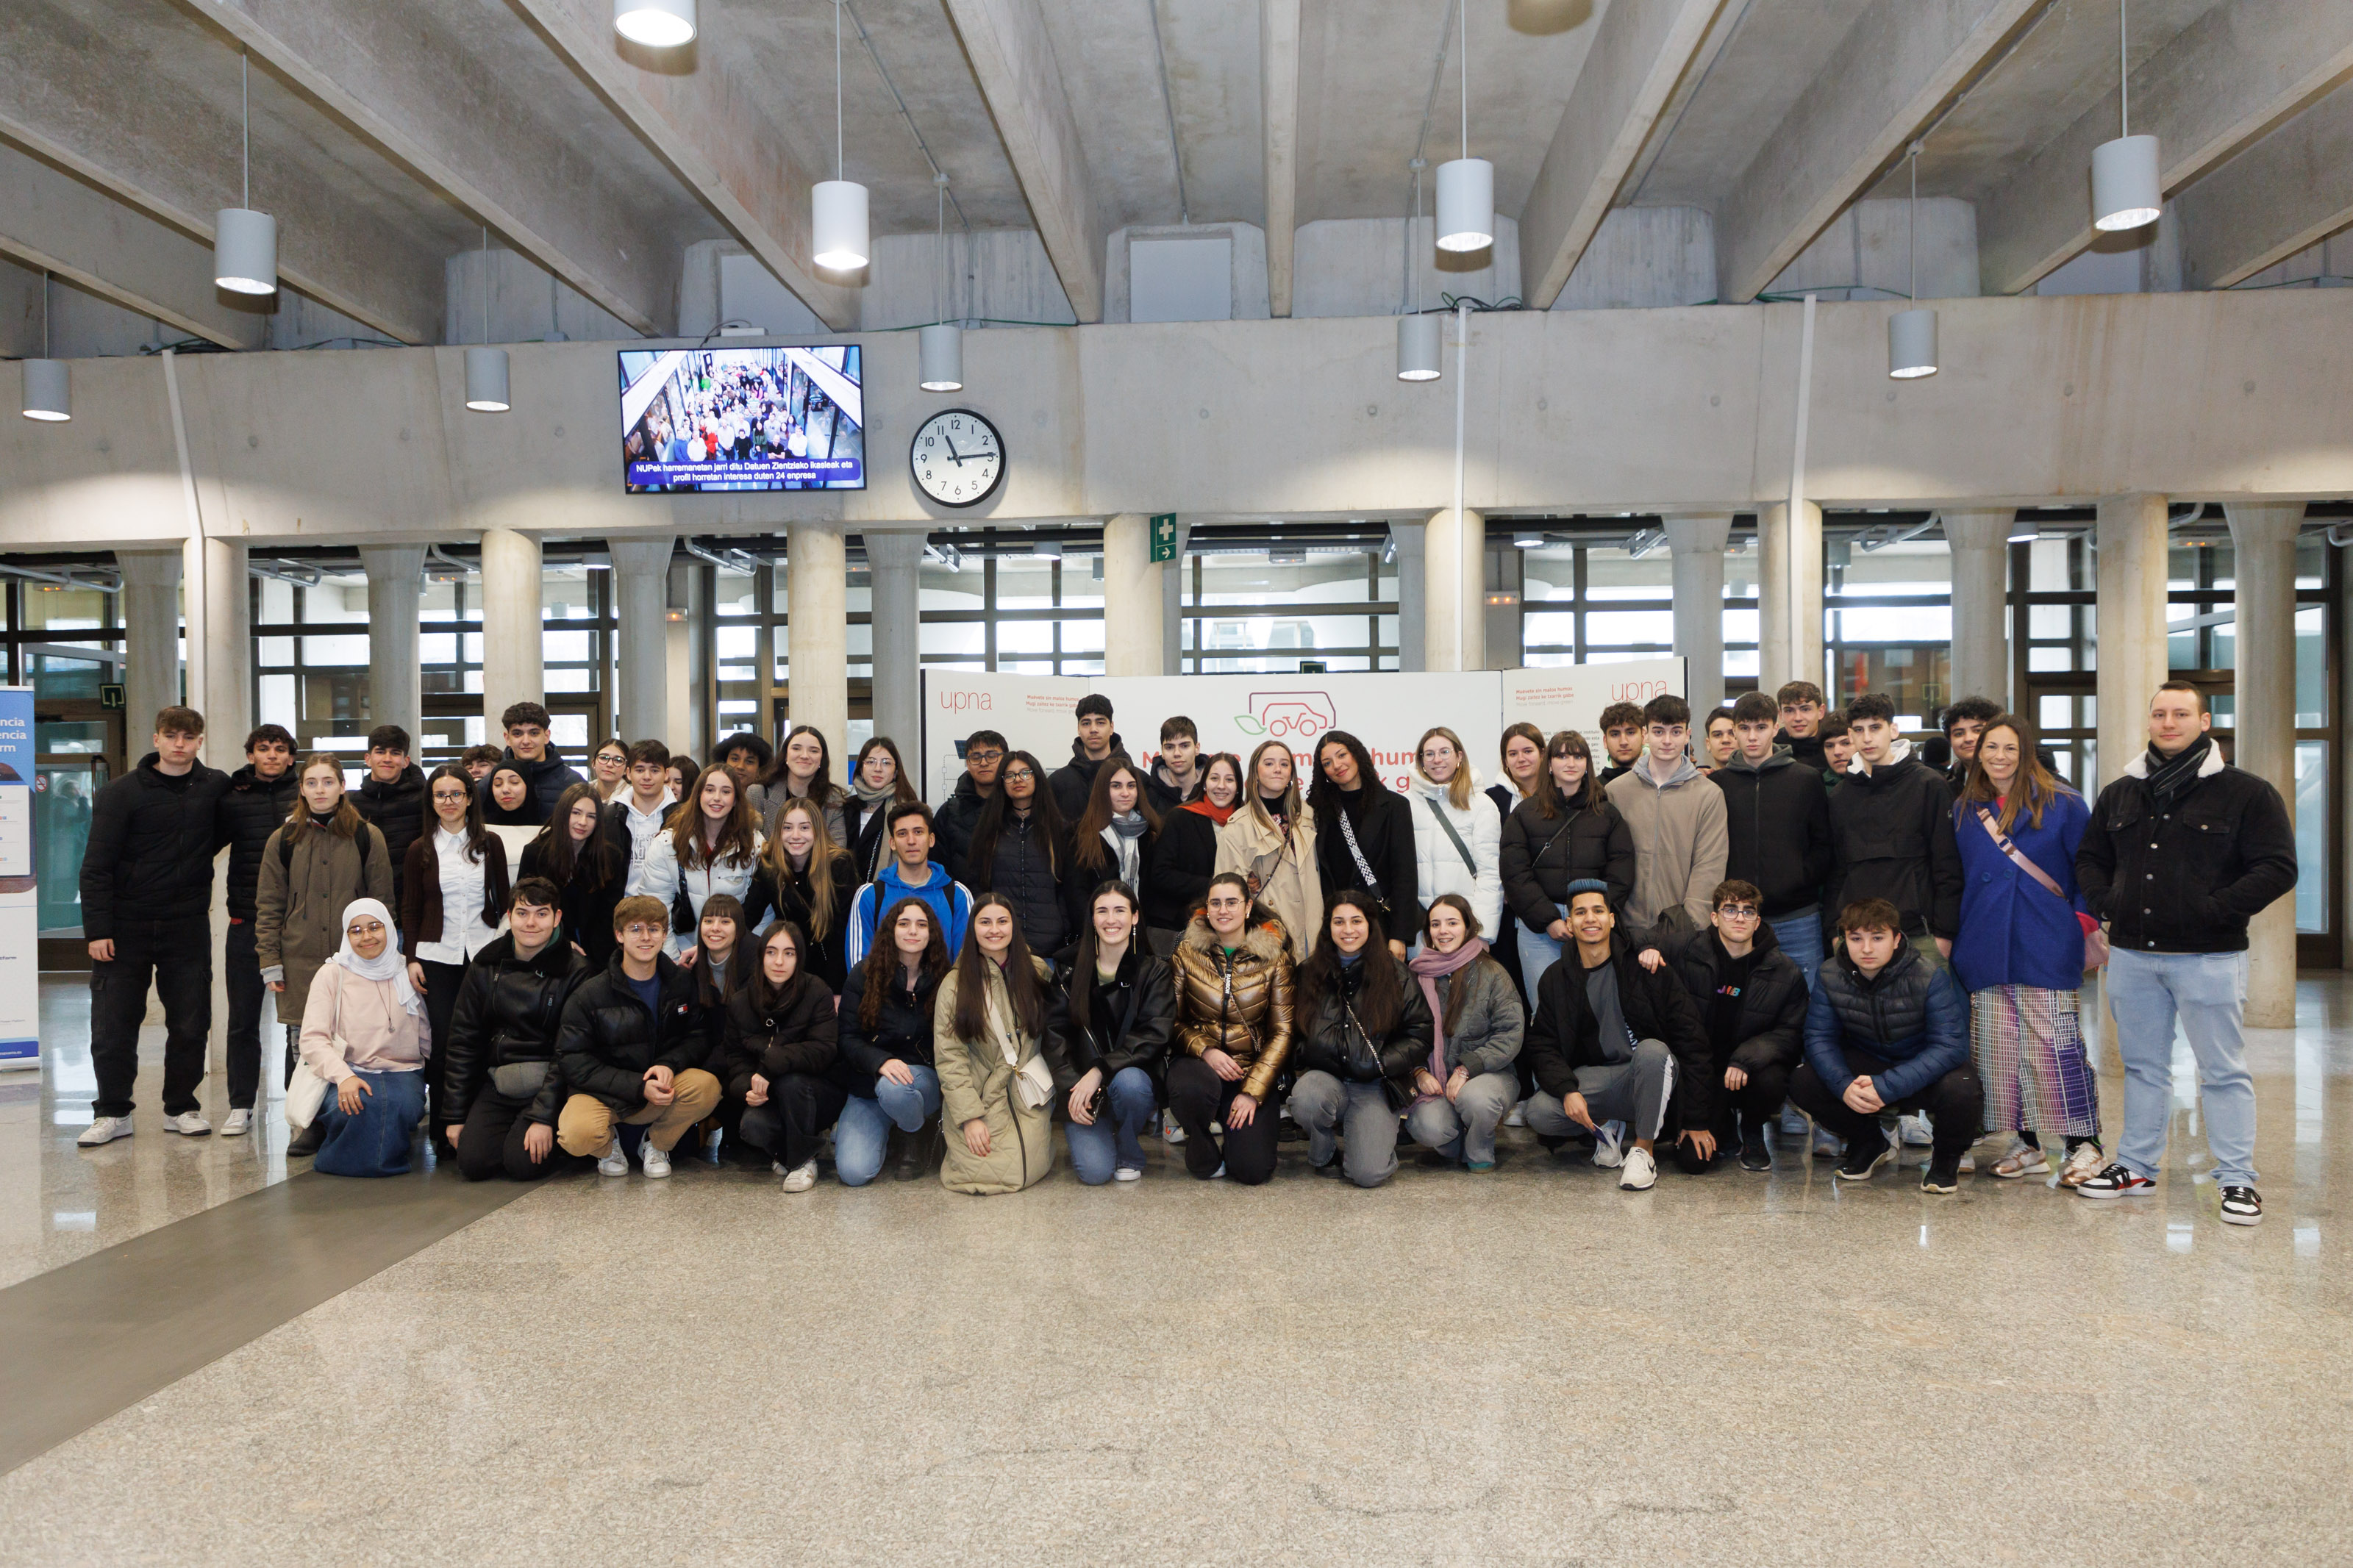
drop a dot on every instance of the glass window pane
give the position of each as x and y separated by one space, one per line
1605 628
2312 836
2311 669
335 600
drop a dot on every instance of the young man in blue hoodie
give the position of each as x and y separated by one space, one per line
910 874
1887 1030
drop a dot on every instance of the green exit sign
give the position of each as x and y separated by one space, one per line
1164 536
110 695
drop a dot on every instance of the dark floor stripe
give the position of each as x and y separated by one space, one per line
105 1331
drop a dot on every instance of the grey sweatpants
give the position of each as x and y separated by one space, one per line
1464 1128
1634 1092
1328 1108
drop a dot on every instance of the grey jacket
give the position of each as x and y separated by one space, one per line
1486 1035
1681 845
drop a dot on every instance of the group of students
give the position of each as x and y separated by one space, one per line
1667 955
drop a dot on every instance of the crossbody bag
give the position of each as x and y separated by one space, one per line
2095 940
1364 869
1469 862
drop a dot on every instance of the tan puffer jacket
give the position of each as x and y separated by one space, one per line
299 904
1239 1003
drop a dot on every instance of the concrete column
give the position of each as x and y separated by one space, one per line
1790 596
228 664
1454 565
1132 599
640 584
892 562
1696 542
2262 539
816 607
514 663
2131 623
395 587
1172 606
1979 541
1413 636
686 669
150 638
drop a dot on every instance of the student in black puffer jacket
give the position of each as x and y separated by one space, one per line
392 797
1751 998
777 1057
501 1088
625 1045
1362 826
1565 832
257 805
885 1032
1361 1029
1021 849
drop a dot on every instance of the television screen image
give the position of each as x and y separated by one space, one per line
742 420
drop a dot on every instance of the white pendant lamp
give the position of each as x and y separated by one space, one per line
486 368
1466 185
656 24
838 207
2127 191
941 345
1912 334
245 242
48 383
1420 352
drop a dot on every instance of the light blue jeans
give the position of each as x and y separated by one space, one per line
863 1134
1539 953
1801 936
1116 1139
2205 993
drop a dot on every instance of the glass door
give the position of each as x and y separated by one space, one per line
77 747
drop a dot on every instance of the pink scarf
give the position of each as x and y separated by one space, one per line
1430 966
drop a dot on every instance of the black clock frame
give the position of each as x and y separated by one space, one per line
1004 459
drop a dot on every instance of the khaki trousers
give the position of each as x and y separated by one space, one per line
584 1125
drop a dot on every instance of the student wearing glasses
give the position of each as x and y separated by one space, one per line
1751 998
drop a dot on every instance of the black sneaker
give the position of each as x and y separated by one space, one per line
1863 1158
1942 1176
1754 1155
2116 1182
2241 1205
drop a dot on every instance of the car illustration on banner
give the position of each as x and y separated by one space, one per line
1288 715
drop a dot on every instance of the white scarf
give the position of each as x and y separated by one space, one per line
385 965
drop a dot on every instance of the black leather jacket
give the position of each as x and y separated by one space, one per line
1326 1038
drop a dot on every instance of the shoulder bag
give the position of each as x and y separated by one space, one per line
2095 940
1372 883
1469 862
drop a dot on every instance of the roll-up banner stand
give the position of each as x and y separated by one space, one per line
20 918
1389 711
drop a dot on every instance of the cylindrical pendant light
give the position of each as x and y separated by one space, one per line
1419 348
48 383
245 242
1912 334
2127 191
838 207
486 379
1466 185
1912 344
658 24
942 345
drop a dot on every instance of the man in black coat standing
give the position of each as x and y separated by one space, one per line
260 798
1095 744
146 911
2181 852
392 796
1891 833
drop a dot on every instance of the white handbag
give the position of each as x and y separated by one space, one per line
305 1092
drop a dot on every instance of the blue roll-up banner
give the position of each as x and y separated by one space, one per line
20 920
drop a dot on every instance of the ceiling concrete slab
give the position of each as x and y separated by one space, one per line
1774 55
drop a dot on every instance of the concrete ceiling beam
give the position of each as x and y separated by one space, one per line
2290 190
1642 49
2223 80
1278 92
705 122
1012 58
1900 62
52 221
174 157
445 114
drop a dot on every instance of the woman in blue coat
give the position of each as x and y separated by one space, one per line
2021 955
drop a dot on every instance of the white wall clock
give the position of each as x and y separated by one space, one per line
957 457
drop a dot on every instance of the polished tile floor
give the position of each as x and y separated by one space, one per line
1531 1367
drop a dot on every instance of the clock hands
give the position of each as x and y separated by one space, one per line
953 453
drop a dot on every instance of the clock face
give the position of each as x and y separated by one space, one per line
957 457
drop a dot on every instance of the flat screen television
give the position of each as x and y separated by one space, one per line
742 420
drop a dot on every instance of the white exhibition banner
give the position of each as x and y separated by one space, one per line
1388 711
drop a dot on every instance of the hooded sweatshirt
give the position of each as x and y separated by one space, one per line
1777 824
1680 843
950 903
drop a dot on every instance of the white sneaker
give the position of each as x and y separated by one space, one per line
105 1130
1914 1133
2082 1165
1127 1174
1220 1173
189 1123
615 1160
1606 1151
1827 1145
1516 1118
655 1162
238 1123
802 1178
1640 1172
1171 1129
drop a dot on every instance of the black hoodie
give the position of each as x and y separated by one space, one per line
1075 780
1777 819
1892 837
1767 1012
252 809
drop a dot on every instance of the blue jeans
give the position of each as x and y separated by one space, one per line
1539 953
375 1141
863 1133
2205 993
1114 1140
1801 936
